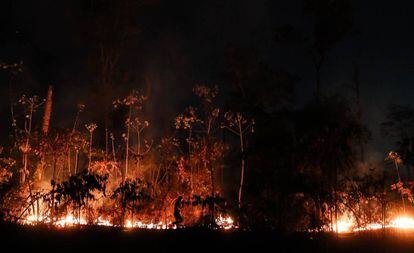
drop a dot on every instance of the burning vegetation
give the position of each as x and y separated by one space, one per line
246 157
62 177
67 177
59 177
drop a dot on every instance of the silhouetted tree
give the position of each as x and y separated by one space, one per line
132 195
400 126
332 20
327 132
78 190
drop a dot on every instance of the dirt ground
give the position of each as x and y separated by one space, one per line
107 239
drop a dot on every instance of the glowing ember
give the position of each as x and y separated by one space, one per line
225 222
140 224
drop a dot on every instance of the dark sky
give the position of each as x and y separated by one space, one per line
183 43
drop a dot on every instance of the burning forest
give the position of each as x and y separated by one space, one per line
63 179
233 122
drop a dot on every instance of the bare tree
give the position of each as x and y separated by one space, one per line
332 21
91 128
133 102
205 123
241 127
139 152
31 104
393 156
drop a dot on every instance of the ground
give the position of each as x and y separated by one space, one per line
94 239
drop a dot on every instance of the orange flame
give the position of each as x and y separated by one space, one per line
224 222
346 225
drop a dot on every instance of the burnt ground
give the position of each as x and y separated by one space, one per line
94 239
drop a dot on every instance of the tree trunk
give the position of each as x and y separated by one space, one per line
90 150
138 152
76 161
45 129
125 175
359 107
242 165
48 111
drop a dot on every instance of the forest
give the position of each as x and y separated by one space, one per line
236 152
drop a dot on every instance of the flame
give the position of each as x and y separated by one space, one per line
66 221
225 222
40 216
346 225
402 222
139 224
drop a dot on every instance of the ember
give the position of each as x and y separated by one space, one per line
225 222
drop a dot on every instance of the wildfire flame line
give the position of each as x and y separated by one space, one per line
346 225
223 222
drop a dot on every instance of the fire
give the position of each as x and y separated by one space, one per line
70 220
139 224
346 225
66 221
223 222
403 222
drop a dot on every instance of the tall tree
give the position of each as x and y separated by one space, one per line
204 122
241 127
359 110
400 126
48 111
327 131
332 20
116 26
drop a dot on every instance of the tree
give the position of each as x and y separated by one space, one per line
30 104
132 195
241 127
332 20
133 102
77 191
400 126
326 133
91 128
45 130
112 27
359 110
168 152
139 151
399 186
48 110
204 123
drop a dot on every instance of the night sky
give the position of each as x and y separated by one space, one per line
183 43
